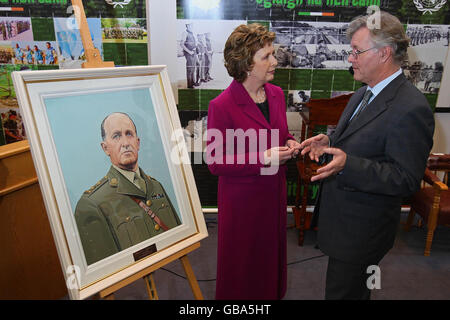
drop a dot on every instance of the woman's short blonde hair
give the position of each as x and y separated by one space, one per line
242 45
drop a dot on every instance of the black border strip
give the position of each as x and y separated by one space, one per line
442 110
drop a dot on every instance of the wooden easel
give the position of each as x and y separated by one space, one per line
93 57
147 274
94 60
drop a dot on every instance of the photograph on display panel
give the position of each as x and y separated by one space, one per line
15 29
118 189
200 53
69 45
128 30
34 52
426 56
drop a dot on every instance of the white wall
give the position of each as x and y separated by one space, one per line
162 16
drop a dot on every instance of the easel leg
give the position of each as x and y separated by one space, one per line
108 297
151 288
191 278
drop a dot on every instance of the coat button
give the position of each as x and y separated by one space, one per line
156 227
163 205
127 219
148 203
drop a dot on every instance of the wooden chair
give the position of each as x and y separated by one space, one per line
432 204
315 112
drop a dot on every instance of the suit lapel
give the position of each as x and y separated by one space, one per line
348 111
373 109
243 99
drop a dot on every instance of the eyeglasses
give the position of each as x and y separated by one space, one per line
355 53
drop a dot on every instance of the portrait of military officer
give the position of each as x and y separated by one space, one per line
126 206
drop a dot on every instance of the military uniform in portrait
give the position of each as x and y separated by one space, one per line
115 214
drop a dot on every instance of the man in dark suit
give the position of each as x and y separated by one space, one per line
376 157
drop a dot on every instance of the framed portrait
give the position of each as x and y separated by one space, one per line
114 173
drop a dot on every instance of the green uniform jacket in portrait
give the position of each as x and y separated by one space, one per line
109 220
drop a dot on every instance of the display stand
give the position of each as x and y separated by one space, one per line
94 60
147 274
93 57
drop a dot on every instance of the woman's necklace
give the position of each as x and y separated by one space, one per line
260 96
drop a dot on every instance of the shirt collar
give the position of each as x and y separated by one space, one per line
128 174
382 84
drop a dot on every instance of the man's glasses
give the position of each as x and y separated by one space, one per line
355 53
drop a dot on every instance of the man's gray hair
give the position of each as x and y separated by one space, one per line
102 126
390 33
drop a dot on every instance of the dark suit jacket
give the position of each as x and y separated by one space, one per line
387 148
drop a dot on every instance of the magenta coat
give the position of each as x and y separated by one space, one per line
251 256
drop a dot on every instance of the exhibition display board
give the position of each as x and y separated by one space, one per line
43 35
311 48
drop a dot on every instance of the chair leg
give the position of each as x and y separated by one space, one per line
410 220
429 240
431 226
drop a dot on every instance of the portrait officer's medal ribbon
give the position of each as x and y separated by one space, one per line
152 215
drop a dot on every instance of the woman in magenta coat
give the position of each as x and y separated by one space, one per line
248 146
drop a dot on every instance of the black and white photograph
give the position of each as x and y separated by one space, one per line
319 32
283 31
200 46
297 99
316 45
428 35
312 56
309 32
425 67
194 127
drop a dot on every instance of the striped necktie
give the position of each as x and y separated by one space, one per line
365 101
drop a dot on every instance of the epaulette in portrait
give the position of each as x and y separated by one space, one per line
96 186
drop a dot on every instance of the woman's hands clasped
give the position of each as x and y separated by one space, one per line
280 155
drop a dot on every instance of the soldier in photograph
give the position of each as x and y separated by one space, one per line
189 44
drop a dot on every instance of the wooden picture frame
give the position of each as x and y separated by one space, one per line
63 112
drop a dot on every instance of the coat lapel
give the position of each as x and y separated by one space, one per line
243 99
273 105
124 186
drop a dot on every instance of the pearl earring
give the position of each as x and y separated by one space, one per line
248 73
